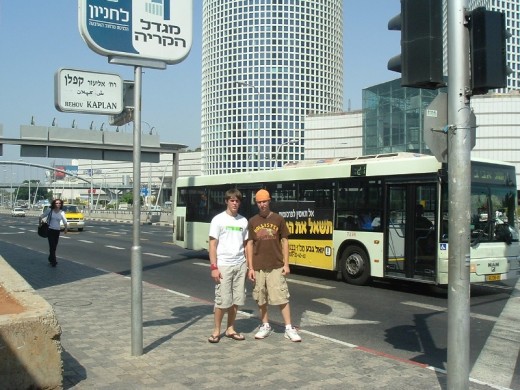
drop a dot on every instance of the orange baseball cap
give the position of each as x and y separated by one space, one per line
262 195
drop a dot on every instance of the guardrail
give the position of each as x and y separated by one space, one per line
125 215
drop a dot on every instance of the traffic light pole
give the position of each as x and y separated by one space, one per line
136 258
459 177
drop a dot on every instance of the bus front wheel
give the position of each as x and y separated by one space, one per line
355 267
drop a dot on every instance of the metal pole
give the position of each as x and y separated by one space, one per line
91 187
137 261
162 181
12 178
29 188
459 176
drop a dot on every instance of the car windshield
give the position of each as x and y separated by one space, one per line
70 209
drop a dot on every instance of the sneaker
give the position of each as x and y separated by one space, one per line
263 332
292 335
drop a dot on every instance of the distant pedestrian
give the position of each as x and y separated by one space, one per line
227 240
54 217
268 262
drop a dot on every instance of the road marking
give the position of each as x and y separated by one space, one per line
303 283
86 241
340 314
443 309
155 255
114 247
497 360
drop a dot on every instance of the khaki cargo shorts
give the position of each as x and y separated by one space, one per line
271 287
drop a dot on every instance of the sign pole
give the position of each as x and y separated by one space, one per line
136 258
459 176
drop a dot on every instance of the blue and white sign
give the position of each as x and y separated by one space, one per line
148 29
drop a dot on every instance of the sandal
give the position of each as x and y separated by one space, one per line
214 339
236 336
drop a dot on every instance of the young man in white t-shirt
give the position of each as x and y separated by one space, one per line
228 235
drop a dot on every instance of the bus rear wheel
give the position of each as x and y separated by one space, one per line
355 267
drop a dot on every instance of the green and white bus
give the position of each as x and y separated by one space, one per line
378 216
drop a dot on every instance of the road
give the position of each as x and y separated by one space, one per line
406 321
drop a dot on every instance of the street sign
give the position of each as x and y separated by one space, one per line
158 30
88 92
436 127
144 191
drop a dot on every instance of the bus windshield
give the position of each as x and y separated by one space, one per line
493 205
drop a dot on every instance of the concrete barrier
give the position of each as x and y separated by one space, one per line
30 347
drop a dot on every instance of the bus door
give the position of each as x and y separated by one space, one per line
410 233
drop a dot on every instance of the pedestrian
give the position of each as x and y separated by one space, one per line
268 262
227 241
53 219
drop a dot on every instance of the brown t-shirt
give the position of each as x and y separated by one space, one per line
266 233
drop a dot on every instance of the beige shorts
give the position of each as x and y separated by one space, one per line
231 289
271 287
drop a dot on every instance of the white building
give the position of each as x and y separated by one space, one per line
497 133
498 128
103 181
265 65
334 135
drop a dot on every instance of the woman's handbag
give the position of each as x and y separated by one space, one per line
43 226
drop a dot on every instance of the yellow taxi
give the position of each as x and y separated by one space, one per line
75 218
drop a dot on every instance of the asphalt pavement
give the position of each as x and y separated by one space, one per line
93 308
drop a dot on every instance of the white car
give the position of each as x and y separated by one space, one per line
18 212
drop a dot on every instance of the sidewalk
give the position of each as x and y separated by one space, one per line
93 309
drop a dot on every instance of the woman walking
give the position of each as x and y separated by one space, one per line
53 219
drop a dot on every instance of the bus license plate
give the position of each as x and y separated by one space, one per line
492 278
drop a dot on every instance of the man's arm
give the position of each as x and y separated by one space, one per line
215 273
285 252
249 258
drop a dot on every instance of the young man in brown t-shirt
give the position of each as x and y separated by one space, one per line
268 262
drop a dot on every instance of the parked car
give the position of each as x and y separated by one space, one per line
18 212
75 218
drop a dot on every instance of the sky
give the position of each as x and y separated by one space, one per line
38 37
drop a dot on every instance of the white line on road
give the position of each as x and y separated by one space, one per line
443 309
155 255
86 241
303 283
114 247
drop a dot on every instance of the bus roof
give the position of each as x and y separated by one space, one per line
390 164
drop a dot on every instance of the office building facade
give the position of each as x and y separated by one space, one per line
266 64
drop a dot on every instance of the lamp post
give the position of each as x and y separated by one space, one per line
257 92
162 181
3 200
279 147
13 174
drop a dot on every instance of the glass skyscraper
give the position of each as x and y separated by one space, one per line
265 65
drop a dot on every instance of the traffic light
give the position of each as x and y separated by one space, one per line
421 60
488 37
